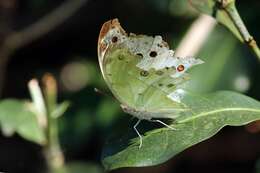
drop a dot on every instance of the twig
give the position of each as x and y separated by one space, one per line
49 22
230 9
44 25
53 153
45 104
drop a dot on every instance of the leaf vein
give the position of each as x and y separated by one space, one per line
218 111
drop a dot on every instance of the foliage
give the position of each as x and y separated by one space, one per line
226 13
16 116
207 115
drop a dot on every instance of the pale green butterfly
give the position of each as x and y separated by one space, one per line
142 73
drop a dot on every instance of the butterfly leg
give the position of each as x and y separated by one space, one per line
158 121
140 137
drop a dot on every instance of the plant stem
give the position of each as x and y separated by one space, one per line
231 10
53 153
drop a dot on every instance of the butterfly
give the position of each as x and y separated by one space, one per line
142 73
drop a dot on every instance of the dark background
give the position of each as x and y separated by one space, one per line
69 53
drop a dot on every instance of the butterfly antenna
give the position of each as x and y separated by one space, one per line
140 137
158 121
103 93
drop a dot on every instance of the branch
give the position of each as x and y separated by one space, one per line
46 24
230 8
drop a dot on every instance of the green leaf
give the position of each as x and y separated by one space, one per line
178 8
212 7
207 115
15 116
181 8
60 109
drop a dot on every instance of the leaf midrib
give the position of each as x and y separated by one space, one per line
202 114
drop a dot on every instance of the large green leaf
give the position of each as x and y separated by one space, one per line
178 8
207 115
212 7
15 116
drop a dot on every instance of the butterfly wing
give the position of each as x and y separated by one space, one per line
142 72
